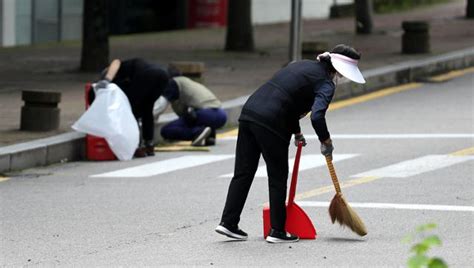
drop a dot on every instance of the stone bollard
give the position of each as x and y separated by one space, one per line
416 37
311 49
191 69
40 112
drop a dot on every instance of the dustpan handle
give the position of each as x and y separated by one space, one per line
332 171
294 175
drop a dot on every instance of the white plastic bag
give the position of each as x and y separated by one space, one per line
110 116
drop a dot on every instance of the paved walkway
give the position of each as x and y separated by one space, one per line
229 75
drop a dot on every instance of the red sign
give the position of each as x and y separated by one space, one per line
207 13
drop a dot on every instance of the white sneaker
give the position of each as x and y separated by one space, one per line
235 232
281 237
200 140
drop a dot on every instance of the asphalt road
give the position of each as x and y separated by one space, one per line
404 160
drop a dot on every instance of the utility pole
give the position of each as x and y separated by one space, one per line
295 30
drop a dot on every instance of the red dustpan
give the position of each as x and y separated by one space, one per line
297 222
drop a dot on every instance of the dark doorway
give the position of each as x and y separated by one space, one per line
138 16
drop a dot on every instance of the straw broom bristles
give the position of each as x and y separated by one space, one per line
339 209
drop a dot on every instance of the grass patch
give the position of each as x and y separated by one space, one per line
389 6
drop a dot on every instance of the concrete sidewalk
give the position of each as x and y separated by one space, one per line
232 76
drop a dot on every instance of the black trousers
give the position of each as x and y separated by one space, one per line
253 141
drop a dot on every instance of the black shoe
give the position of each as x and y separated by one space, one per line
232 232
200 139
210 141
281 237
140 152
150 150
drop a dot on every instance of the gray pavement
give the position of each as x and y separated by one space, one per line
60 215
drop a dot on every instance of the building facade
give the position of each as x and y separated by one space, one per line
24 22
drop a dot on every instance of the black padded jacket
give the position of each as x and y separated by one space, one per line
296 89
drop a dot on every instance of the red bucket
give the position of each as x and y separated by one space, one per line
97 148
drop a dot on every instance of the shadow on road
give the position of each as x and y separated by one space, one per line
344 240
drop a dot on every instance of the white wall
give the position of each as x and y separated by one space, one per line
7 20
271 11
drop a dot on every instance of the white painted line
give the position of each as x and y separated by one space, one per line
164 166
391 206
415 166
307 162
387 136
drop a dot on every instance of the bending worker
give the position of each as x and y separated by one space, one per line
142 82
268 120
199 111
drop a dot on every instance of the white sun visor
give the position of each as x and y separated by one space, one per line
347 67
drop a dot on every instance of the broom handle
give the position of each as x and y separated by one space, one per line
332 171
294 175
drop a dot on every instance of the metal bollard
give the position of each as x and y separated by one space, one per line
40 112
191 69
311 49
416 37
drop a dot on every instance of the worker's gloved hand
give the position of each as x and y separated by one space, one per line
102 84
300 138
190 116
327 148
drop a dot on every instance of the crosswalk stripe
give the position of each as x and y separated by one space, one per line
307 162
401 136
385 136
391 206
165 166
415 166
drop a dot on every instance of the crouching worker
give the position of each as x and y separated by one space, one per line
199 111
143 83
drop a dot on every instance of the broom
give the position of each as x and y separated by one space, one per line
339 209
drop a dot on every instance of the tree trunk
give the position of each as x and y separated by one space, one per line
239 26
95 36
363 16
470 9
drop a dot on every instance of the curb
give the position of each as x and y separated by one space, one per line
71 146
406 72
60 148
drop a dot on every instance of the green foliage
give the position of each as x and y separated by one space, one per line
420 249
386 6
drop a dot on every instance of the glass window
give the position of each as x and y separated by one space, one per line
23 22
71 19
46 24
